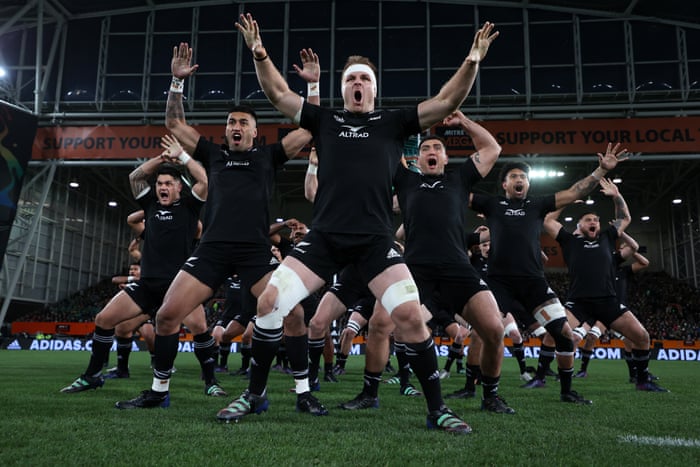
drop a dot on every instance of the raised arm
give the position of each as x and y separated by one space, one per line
631 245
174 151
606 163
135 221
311 177
271 81
622 212
456 89
181 67
138 178
487 148
551 223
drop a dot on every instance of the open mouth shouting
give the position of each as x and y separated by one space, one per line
357 96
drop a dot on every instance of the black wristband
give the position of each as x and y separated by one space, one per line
262 59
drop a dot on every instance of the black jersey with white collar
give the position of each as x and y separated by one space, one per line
358 155
240 186
168 235
590 262
434 213
515 226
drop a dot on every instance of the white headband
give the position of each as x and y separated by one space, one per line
359 68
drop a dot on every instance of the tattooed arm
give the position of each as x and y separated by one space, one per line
138 178
606 162
487 148
622 212
181 68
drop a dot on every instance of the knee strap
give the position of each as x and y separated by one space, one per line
290 291
399 293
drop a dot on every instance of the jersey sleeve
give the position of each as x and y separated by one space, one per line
279 157
469 174
201 152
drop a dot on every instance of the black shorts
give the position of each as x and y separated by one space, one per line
148 294
589 310
447 289
211 263
327 253
241 314
309 304
349 288
364 307
441 318
521 295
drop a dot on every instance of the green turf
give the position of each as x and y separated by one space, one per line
40 426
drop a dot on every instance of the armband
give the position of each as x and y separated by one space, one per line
313 89
312 169
177 85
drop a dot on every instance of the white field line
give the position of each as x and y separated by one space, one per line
660 441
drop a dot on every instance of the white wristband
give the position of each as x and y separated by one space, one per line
312 169
130 278
313 89
184 157
177 85
593 174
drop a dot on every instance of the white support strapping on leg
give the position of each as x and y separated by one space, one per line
290 291
549 313
399 293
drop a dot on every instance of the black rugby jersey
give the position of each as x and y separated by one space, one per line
358 156
434 213
623 275
168 235
515 227
590 263
240 186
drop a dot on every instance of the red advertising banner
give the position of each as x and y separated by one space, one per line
643 135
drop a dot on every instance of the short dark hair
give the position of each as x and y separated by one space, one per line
508 166
423 139
244 109
169 169
585 213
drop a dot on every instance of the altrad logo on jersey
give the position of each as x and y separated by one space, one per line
353 132
163 215
514 212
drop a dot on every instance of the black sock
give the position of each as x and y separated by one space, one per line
565 377
101 343
123 352
423 360
245 356
473 372
631 367
489 385
315 352
585 358
518 351
641 363
166 351
265 346
453 353
206 351
340 360
544 361
298 354
402 361
371 383
224 351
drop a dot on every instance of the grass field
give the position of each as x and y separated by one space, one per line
40 426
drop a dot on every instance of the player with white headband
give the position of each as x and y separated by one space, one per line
353 219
